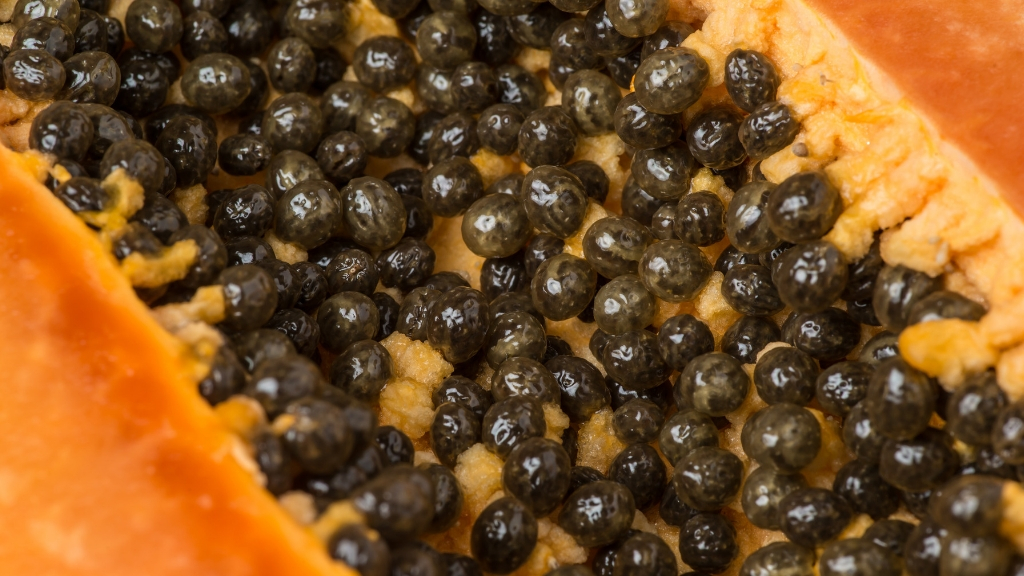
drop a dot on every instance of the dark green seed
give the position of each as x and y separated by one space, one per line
623 305
515 334
783 437
900 400
139 159
674 271
458 323
537 474
699 219
714 384
768 129
555 200
293 122
547 137
590 99
308 213
450 187
643 129
563 286
153 25
763 490
746 220
510 422
750 78
33 75
583 388
244 154
671 80
944 304
663 172
713 138
803 207
496 226
858 556
373 213
785 374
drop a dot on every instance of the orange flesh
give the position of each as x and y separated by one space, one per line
959 63
112 464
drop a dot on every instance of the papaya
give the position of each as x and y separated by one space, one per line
447 294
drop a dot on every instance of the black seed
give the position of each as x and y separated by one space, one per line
547 137
813 516
900 400
299 327
712 383
203 34
974 407
247 211
250 296
244 154
763 490
637 421
503 536
966 555
448 498
890 534
412 317
683 337
451 186
944 304
858 556
395 445
671 80
34 75
537 474
732 257
63 10
861 485
154 25
643 129
668 35
454 430
920 463
768 129
969 505
713 138
520 87
383 63
1008 433
345 318
842 386
62 129
515 334
501 275
664 172
583 388
750 78
563 286
674 271
191 149
353 546
362 370
522 376
399 503
708 542
803 207
623 67
465 392
139 159
783 437
828 335
458 323
285 281
684 432
708 478
247 250
746 221
276 382
603 37
879 348
810 276
318 22
598 513
498 128
633 358
749 290
54 36
785 374
446 39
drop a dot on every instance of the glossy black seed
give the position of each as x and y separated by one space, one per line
813 516
503 536
684 432
163 218
547 137
63 10
318 438
582 386
520 88
384 63
745 339
944 304
191 149
880 347
448 498
509 422
373 213
274 462
708 542
495 226
623 305
663 221
250 297
247 250
768 258
276 382
973 408
294 122
699 219
225 379
463 391
862 274
900 400
82 194
842 386
746 220
407 264
923 547
137 238
299 327
156 123
671 80
495 44
250 27
713 383
501 275
563 286
963 555
645 554
810 276
454 429
289 168
785 374
708 478
522 376
33 74
115 34
203 34
453 135
614 245
395 8
598 513
568 44
861 485
362 370
920 463
890 534
897 289
54 36
451 186
633 359
355 547
768 129
318 22
498 128
1008 433
749 290
341 104
554 199
244 154
713 138
969 505
803 207
345 318
602 36
828 335
858 556
62 129
783 437
732 257
154 25
446 39
674 271
395 445
399 503
642 129
143 88
590 98
664 172
285 281
750 78
474 87
139 159
860 435
537 474
248 211
536 28
637 421
458 323
763 490
312 286
90 77
539 249
412 317
777 559
514 334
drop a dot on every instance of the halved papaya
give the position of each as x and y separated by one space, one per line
114 464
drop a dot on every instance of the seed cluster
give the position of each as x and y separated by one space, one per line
669 386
